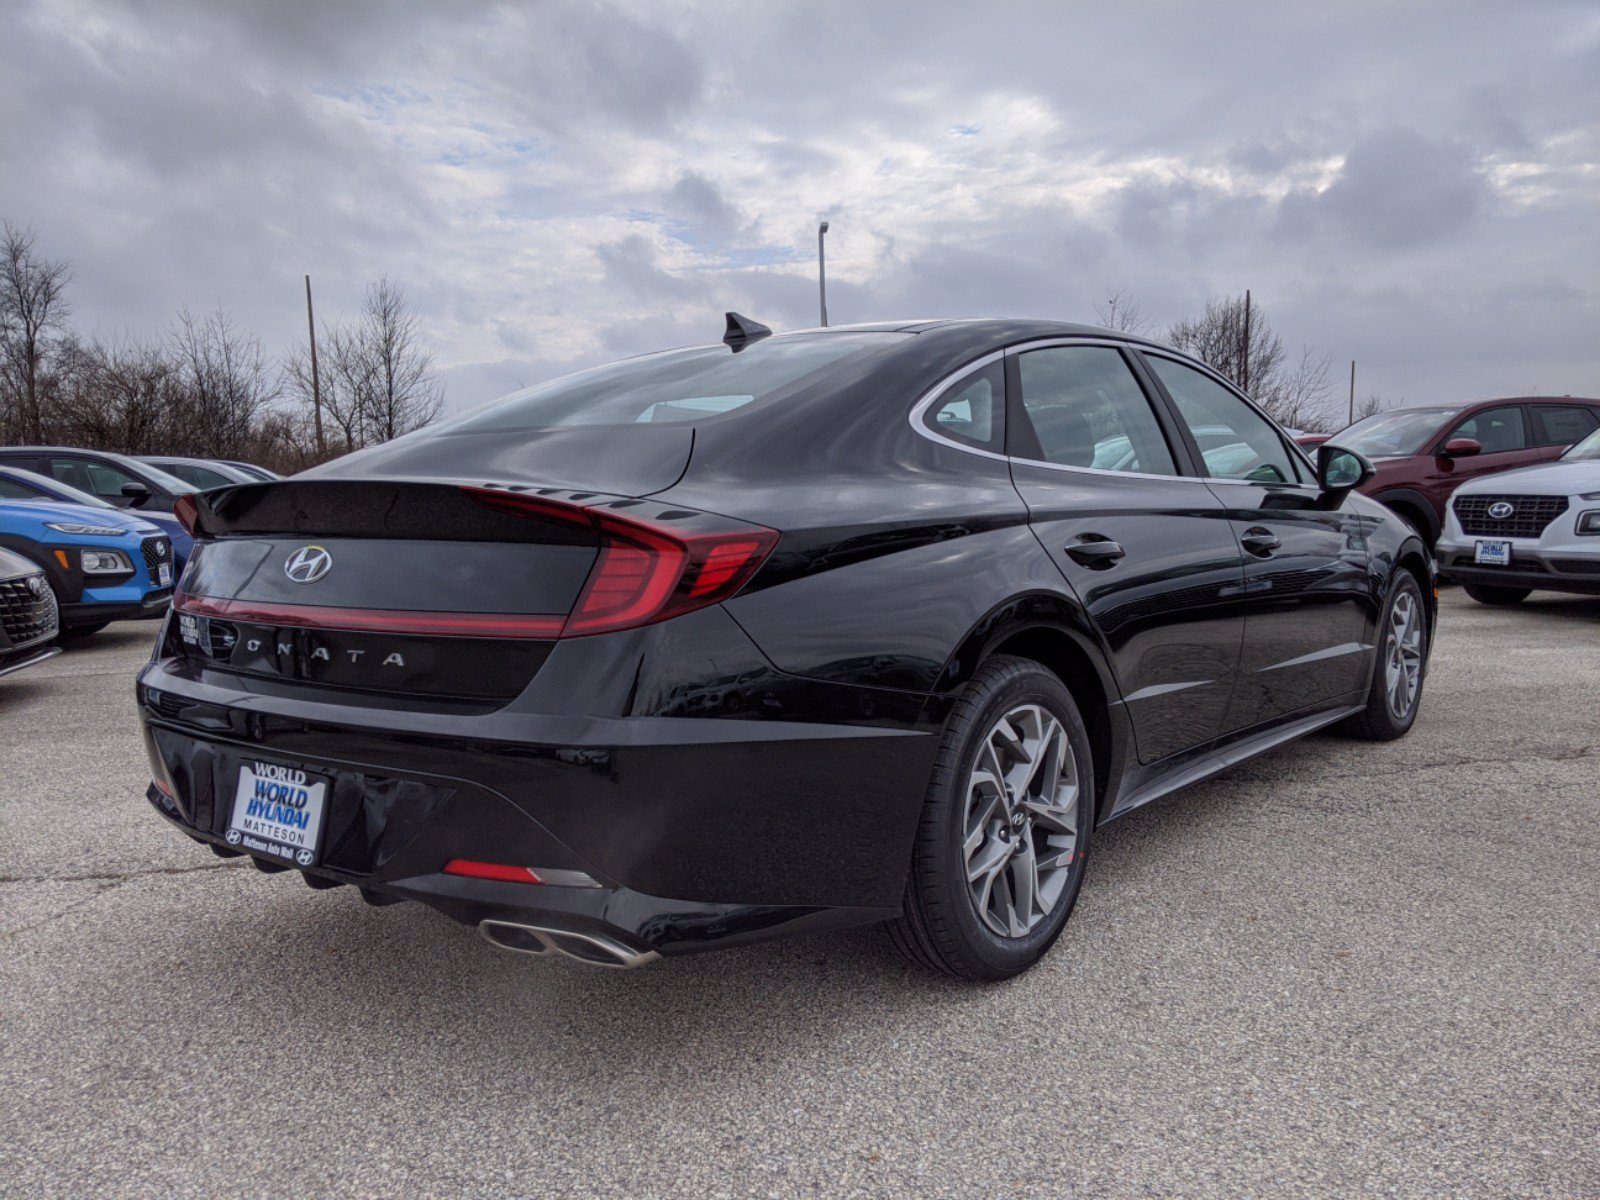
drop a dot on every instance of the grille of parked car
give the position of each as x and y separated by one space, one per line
157 551
27 615
1527 519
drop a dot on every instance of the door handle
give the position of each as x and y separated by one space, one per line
1260 542
1095 551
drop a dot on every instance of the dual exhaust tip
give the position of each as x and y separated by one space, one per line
594 949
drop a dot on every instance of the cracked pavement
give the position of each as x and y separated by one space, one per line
1340 969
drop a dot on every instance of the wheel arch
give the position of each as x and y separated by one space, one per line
1414 507
1055 634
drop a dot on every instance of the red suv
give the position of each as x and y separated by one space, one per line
1424 454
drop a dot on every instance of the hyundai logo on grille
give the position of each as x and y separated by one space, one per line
36 584
308 564
1500 510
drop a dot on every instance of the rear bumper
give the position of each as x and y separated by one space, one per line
701 832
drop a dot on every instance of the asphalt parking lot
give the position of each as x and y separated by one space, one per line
1342 969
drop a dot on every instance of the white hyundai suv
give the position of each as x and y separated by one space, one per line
1536 527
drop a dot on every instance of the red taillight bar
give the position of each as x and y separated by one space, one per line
368 620
645 571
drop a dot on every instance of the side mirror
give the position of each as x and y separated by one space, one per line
1340 470
136 494
1462 447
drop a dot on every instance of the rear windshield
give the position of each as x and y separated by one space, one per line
1391 434
674 386
1588 449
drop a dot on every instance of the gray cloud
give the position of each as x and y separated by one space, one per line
1411 186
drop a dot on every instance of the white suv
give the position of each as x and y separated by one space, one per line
1537 527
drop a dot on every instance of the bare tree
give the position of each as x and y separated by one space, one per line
1371 406
402 393
224 382
377 379
1121 312
33 308
1295 394
119 395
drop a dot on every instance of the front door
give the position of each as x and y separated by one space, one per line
1148 551
1308 634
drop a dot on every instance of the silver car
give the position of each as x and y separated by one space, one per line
1536 528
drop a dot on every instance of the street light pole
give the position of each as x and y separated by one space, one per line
822 272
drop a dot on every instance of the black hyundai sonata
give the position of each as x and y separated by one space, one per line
781 634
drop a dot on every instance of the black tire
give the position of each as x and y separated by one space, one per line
1487 593
1379 722
941 928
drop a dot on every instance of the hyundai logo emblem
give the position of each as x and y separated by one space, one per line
36 584
1500 510
308 564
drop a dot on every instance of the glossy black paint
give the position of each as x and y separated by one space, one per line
759 766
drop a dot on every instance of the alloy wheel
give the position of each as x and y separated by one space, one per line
1403 654
1021 821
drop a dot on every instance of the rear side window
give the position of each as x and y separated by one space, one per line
675 386
972 409
1563 424
1496 429
201 477
1235 440
1087 410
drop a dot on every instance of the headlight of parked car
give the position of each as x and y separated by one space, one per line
83 530
1589 522
105 562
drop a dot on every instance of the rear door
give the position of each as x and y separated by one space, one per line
1558 426
1307 637
1148 551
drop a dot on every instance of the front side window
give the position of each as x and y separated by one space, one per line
1235 441
1564 424
1087 410
1497 430
972 409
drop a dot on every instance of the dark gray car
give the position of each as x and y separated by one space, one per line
28 617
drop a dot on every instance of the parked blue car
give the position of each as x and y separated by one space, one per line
18 484
102 566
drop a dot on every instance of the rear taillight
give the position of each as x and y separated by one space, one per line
646 571
187 512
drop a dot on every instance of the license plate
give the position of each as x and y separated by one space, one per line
163 576
277 812
1495 553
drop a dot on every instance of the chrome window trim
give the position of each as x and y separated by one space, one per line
928 397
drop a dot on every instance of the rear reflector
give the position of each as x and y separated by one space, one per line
496 871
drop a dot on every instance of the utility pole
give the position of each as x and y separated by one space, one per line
822 272
316 382
1352 391
1244 351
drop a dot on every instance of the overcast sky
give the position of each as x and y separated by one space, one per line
1416 187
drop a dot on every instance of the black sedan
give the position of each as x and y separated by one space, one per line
877 623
